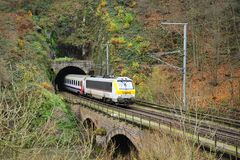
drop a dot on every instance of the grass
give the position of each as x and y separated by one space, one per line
35 124
170 147
64 59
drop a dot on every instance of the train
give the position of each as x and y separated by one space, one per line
118 90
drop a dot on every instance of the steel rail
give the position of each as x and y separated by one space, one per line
227 121
200 126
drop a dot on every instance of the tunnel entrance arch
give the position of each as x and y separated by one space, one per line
59 79
122 146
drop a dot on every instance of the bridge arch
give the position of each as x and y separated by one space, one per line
89 124
59 79
123 143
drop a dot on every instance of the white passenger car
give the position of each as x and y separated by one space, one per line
75 83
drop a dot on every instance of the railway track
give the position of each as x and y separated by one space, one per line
212 118
214 131
201 127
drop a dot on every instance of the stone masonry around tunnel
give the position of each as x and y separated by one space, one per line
61 69
85 65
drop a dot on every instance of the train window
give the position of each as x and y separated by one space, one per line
125 84
104 86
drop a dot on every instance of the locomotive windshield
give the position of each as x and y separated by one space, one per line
125 84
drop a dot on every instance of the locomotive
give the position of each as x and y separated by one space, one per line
119 90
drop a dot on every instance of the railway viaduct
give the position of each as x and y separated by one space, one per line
114 125
110 129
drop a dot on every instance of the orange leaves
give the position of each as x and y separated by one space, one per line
24 22
46 85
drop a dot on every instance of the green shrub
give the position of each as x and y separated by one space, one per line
64 59
128 18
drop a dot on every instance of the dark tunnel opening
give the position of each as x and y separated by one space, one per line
59 79
123 147
89 124
90 127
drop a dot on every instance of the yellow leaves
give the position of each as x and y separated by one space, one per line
137 80
135 65
139 38
99 11
133 4
30 14
120 11
28 72
126 25
106 17
130 45
21 43
103 3
113 27
118 40
124 72
18 18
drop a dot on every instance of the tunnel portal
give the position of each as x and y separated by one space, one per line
59 79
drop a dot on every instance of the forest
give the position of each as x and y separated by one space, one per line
33 116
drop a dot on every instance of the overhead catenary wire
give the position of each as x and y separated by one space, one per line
166 63
166 53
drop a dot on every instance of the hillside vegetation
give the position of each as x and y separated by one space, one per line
213 51
33 117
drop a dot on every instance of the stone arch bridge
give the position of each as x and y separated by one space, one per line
126 136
